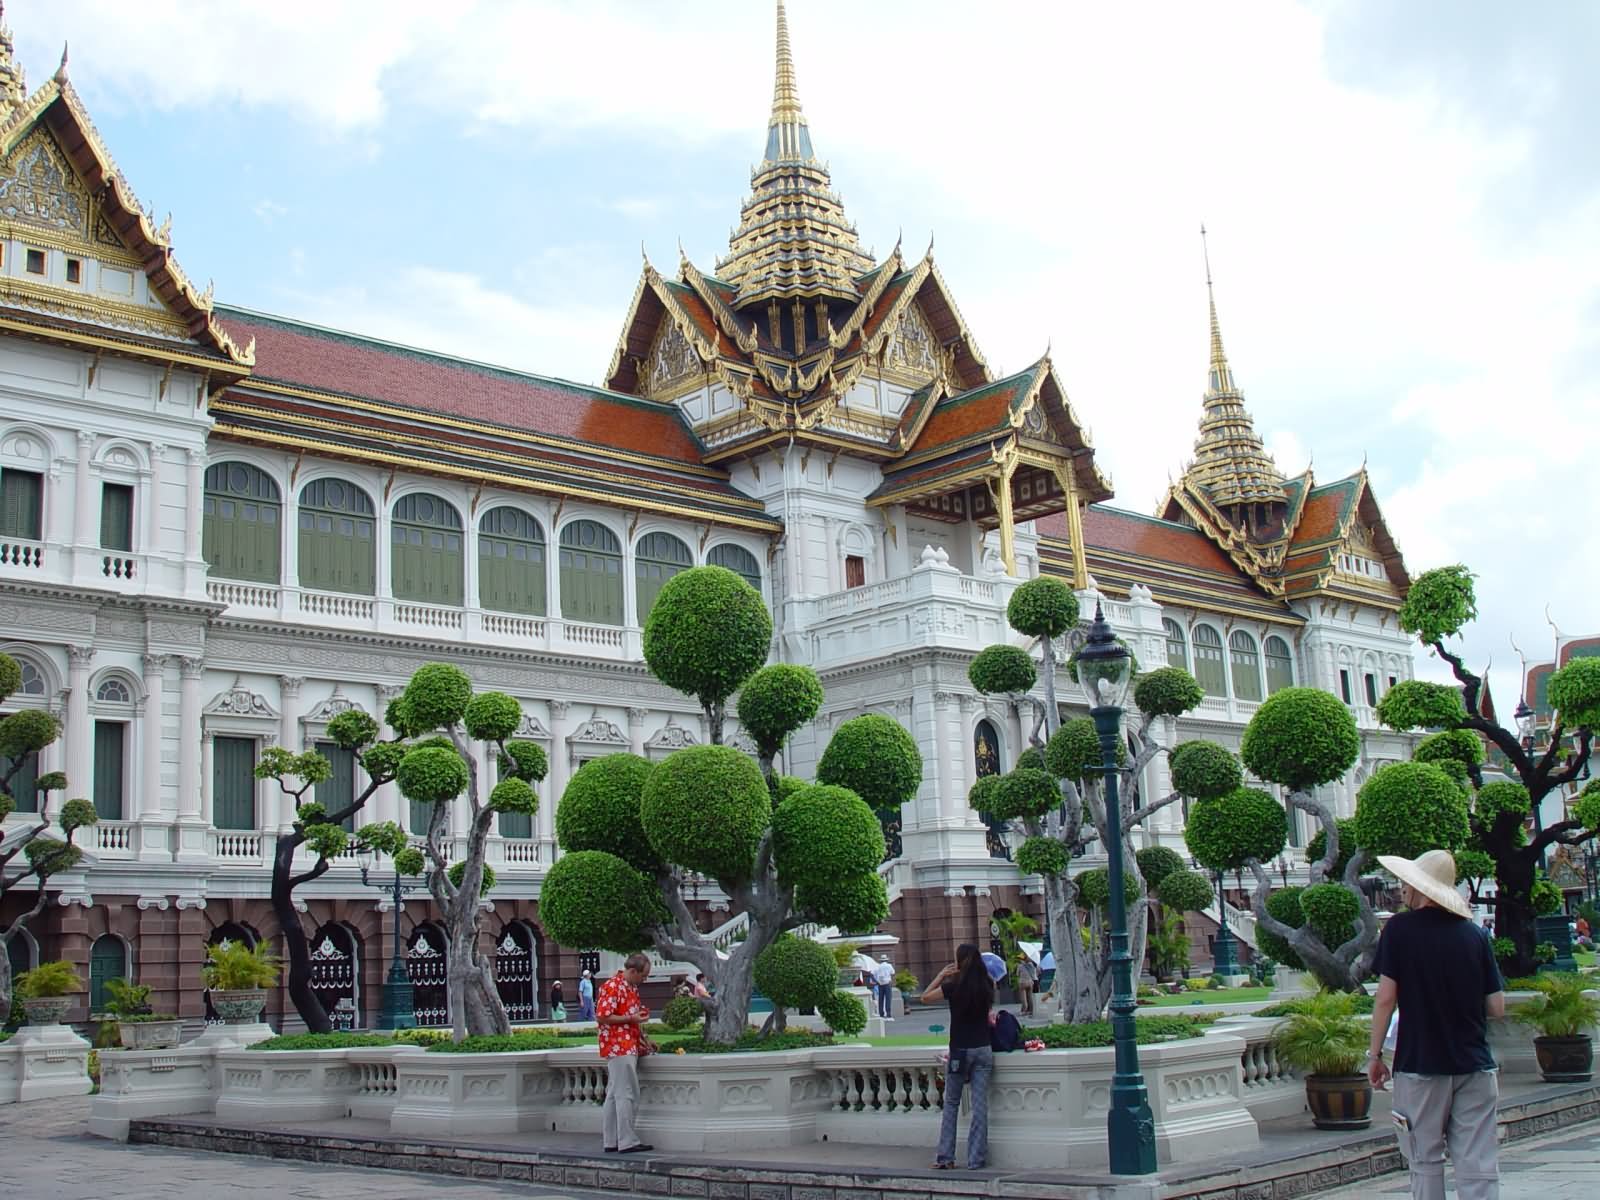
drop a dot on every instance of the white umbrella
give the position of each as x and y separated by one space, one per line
863 962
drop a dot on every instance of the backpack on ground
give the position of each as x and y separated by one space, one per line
1006 1033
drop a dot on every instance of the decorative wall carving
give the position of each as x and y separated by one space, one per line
913 348
330 708
38 187
598 731
532 728
672 359
240 701
670 737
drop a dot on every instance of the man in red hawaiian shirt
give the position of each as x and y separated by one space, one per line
621 1013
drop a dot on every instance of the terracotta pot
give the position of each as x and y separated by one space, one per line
1339 1101
47 1010
1565 1059
149 1035
239 1008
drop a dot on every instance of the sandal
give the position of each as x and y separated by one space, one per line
944 1166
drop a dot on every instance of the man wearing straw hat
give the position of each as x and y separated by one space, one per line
1439 968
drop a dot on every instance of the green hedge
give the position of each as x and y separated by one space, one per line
502 1043
1091 1034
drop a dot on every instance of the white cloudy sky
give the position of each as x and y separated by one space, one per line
1403 200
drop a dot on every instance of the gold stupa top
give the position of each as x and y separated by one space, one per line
1231 462
13 87
793 240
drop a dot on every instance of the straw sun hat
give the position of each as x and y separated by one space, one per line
1433 874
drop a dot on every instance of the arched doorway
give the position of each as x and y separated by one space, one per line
23 952
986 761
336 973
227 933
425 963
516 970
108 960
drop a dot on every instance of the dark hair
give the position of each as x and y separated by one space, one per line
973 988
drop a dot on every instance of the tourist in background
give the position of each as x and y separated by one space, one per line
558 1007
586 996
1027 977
966 985
883 976
622 1014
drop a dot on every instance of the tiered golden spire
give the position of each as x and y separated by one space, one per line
793 240
13 86
1230 461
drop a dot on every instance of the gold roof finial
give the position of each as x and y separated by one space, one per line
13 87
1221 376
788 139
61 71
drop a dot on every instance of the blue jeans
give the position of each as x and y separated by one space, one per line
977 1070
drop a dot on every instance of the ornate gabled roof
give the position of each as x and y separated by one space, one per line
793 240
1341 529
13 85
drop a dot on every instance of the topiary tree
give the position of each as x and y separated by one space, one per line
1055 794
23 735
795 972
1438 605
786 851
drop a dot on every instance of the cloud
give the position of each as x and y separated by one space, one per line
268 210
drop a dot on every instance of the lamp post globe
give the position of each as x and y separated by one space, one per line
1105 668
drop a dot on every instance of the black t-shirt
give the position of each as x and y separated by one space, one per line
969 1023
1444 966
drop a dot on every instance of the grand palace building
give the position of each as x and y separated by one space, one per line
219 529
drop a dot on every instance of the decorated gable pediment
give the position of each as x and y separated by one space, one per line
670 737
240 701
39 188
913 350
597 731
672 362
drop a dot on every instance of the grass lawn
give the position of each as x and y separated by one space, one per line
1218 996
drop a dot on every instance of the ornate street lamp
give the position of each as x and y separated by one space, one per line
399 1009
1225 958
1105 670
1527 722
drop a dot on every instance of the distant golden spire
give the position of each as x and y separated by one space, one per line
1221 376
788 138
13 87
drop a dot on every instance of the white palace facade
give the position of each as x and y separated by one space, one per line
218 529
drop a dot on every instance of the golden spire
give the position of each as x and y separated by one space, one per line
788 139
1230 460
13 87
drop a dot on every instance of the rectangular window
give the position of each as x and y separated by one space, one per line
21 504
74 270
514 825
336 792
421 815
1296 834
233 783
116 516
21 788
1372 689
109 768
855 571
35 262
1344 687
1392 681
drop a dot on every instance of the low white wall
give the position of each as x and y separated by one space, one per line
40 1062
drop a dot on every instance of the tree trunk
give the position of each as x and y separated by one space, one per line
5 976
1513 913
729 1015
296 946
1074 986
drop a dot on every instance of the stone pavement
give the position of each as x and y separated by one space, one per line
1564 1166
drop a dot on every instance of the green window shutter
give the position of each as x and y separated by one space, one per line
21 504
421 815
658 558
21 788
109 739
427 563
738 560
1246 667
511 563
1209 670
516 825
338 525
1280 668
108 959
336 792
242 535
233 783
591 574
116 516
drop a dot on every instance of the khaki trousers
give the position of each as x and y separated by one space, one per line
1454 1112
622 1097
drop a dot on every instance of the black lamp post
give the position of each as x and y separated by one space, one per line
1526 723
399 1007
1225 957
1105 670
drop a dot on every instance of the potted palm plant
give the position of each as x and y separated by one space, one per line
1561 1011
1324 1040
47 990
139 1027
238 977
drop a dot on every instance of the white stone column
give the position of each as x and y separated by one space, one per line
84 507
152 501
560 769
194 504
636 718
387 804
289 738
951 794
207 777
150 804
79 735
190 671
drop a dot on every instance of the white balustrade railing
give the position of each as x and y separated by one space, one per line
242 595
521 851
609 636
903 1088
504 625
113 837
428 616
338 606
235 845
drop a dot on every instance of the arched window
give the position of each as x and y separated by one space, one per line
338 542
241 537
1177 649
1280 666
738 560
427 550
425 962
1246 666
336 973
1209 671
511 564
114 691
32 681
986 762
108 960
20 784
591 574
657 559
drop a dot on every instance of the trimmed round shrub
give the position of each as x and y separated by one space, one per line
326 841
525 760
823 833
458 872
1032 759
492 717
51 856
776 701
1545 897
386 837
514 796
1587 809
27 731
795 972
681 1012
1002 669
1450 745
10 675
875 758
1300 737
1042 856
1418 704
1330 910
856 904
311 812
1042 607
984 794
1407 808
1473 864
1167 692
1073 751
788 785
1225 833
1022 793
1438 603
436 697
1156 863
1283 904
352 729
705 808
845 1014
7 806
707 632
50 781
1501 797
383 760
600 810
76 814
1185 891
591 898
1094 888
1204 770
410 861
432 774
1574 691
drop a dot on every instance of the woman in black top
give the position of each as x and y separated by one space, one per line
970 991
558 1008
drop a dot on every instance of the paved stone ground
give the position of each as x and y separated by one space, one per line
1565 1166
47 1154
